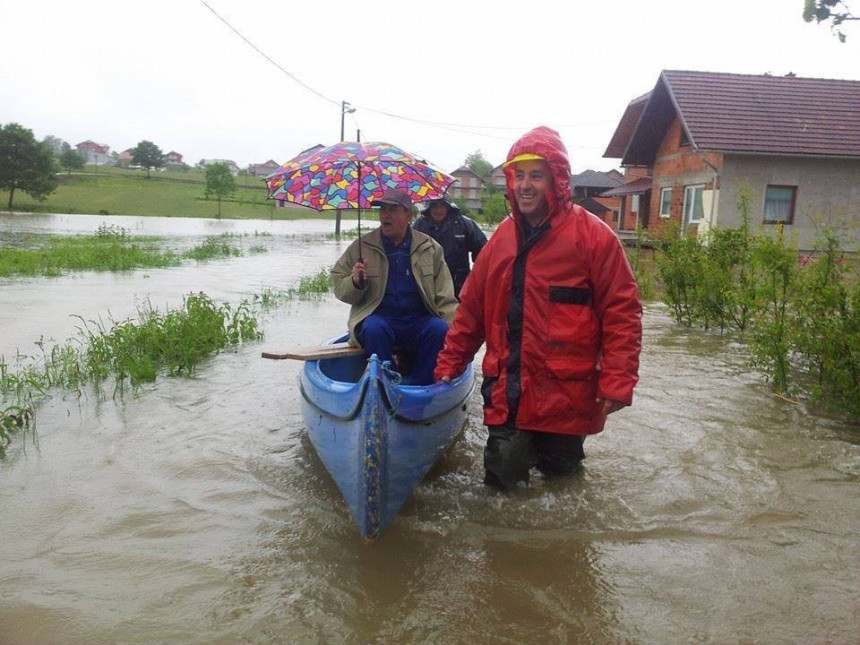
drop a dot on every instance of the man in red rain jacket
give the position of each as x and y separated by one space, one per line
554 297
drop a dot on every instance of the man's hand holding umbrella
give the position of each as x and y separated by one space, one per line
359 275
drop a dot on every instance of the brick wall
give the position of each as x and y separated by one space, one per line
677 166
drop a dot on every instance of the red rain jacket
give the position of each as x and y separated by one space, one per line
561 314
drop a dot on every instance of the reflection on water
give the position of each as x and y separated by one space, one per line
197 512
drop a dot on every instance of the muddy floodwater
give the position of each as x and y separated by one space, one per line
196 511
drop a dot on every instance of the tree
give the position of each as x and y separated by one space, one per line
55 144
219 182
71 160
835 11
495 206
478 165
25 164
148 155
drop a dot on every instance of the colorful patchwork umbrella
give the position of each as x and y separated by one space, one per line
352 175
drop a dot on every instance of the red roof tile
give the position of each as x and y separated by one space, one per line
746 114
768 114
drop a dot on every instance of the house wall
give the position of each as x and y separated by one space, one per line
613 204
466 191
497 177
678 166
828 190
828 195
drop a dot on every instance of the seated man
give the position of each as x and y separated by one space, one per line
399 287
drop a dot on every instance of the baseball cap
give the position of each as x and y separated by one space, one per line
526 156
394 196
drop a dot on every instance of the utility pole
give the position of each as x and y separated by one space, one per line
345 108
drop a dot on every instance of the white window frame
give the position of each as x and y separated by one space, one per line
690 203
668 212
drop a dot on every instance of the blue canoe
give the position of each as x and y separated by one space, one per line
378 437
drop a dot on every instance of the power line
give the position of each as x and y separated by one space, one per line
264 55
453 127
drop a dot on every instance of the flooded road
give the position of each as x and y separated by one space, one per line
196 512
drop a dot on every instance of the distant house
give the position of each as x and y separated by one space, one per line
588 187
95 153
698 139
230 164
318 146
466 190
173 158
263 169
125 157
497 177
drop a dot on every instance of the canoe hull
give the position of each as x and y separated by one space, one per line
378 437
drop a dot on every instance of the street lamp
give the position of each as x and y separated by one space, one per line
345 108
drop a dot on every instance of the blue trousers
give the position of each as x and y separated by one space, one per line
421 337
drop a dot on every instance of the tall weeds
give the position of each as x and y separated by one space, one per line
799 314
126 353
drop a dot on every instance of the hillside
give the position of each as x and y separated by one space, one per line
119 191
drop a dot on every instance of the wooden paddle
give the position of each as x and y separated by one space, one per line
336 350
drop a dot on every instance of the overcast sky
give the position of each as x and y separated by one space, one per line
173 72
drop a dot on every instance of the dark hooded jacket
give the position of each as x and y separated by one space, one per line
560 312
459 236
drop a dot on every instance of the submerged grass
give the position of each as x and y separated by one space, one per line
129 352
110 249
104 251
308 288
211 248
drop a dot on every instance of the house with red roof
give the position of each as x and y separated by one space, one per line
95 153
690 146
173 158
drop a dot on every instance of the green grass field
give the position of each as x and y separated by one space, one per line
118 191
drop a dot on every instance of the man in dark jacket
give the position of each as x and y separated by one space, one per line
555 299
459 236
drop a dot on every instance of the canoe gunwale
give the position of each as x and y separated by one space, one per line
353 414
397 417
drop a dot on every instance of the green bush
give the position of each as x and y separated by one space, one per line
800 315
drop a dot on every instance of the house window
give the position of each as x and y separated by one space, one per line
779 204
666 202
693 204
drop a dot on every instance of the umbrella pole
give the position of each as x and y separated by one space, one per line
360 259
